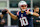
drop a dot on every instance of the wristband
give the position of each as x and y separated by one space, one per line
31 13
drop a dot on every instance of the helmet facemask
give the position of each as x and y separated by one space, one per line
22 5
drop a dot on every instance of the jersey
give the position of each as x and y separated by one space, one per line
24 19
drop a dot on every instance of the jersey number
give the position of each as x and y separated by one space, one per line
24 21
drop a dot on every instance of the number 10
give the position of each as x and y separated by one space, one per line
24 21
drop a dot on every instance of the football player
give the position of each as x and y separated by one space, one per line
24 16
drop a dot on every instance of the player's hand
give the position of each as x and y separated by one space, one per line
28 12
7 11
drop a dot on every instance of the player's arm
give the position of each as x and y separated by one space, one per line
12 15
32 13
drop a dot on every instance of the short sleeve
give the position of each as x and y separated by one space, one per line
31 10
18 13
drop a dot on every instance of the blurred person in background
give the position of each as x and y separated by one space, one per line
36 9
36 19
24 15
3 18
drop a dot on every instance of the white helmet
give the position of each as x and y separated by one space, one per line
22 3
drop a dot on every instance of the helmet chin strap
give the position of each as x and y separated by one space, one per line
23 9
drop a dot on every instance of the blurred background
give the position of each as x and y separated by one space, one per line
12 6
